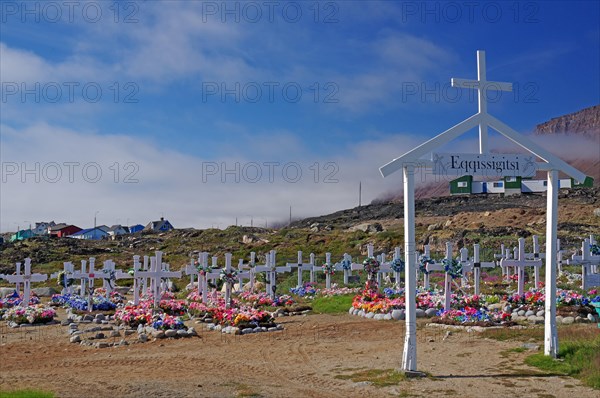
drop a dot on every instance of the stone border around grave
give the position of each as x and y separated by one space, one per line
106 324
396 315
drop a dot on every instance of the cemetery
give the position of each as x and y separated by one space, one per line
320 310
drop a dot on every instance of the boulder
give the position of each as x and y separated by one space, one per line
430 312
75 339
171 333
398 315
420 313
44 291
6 291
568 320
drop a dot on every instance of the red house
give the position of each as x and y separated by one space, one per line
64 230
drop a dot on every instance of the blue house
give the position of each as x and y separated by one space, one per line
135 228
22 235
90 234
159 226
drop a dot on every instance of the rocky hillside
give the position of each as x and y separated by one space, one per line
585 122
488 220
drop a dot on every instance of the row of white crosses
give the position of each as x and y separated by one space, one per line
468 264
520 262
25 278
589 263
158 275
301 267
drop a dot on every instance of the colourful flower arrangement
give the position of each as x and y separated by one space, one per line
60 280
452 267
468 315
397 265
32 314
229 277
204 269
167 322
173 307
346 264
262 299
15 299
99 303
371 265
423 261
328 268
308 289
133 316
534 298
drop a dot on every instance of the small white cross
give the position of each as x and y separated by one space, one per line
26 278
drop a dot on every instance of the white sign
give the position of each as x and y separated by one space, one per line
496 165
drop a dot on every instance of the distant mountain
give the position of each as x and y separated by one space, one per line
585 122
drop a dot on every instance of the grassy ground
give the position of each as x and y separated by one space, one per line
26 394
578 355
332 305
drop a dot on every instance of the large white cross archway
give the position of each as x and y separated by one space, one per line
408 162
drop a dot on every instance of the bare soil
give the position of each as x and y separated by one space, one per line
304 360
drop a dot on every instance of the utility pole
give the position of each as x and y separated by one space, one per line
290 216
359 193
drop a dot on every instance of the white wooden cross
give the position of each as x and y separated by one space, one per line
137 279
26 278
192 270
345 266
430 266
520 263
227 283
82 276
397 256
384 268
466 264
247 271
504 254
302 266
213 274
327 275
276 270
270 273
68 274
535 255
478 265
243 274
447 279
586 260
156 274
559 253
109 275
482 85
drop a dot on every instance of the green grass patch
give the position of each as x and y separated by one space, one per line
578 356
26 394
333 304
377 377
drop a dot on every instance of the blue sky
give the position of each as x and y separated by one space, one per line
335 87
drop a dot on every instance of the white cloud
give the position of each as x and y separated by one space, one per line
172 183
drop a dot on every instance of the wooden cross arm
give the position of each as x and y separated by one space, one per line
466 83
517 263
484 265
22 278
